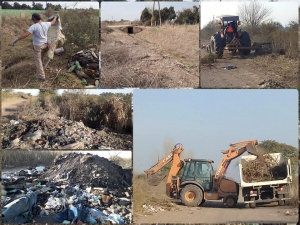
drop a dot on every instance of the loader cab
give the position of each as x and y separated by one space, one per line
199 170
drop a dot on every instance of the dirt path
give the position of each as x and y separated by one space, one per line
128 61
215 212
10 108
209 214
250 71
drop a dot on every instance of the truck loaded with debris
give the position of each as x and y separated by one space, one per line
76 188
265 178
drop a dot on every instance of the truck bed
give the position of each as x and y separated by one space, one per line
280 159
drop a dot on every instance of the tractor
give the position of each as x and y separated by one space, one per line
230 38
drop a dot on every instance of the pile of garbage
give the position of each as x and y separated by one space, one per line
263 168
53 192
85 64
53 132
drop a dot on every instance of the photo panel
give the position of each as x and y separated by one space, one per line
51 187
67 119
150 44
249 44
50 44
202 153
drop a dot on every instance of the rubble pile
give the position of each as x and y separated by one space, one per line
89 171
53 132
103 195
263 168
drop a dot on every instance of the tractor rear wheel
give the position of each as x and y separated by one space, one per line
245 42
216 46
230 201
191 195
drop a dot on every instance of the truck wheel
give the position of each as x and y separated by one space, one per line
280 202
191 195
245 42
230 201
216 46
252 204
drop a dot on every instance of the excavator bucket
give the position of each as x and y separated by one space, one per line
154 179
250 147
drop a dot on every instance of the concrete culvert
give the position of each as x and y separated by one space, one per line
130 30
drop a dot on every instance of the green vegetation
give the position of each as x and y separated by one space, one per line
185 16
271 146
17 12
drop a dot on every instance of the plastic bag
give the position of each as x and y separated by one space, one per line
116 218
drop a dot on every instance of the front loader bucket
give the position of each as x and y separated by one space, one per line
250 147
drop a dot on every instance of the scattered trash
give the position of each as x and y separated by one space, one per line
271 84
85 64
4 68
229 67
287 213
14 122
59 50
56 132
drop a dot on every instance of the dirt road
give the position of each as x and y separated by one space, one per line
128 60
209 214
250 71
10 108
214 212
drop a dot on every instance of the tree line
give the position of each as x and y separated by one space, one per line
35 6
185 16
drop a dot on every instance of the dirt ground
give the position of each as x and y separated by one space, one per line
214 212
10 108
154 58
251 71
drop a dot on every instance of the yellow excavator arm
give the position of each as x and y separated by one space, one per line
234 151
177 164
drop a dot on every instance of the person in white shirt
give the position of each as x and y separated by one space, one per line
39 31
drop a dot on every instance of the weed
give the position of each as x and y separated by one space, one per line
210 58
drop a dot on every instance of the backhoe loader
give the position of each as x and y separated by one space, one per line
199 182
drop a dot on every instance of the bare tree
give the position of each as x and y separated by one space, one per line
159 13
254 13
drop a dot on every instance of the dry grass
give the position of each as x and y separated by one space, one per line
180 41
122 70
5 96
28 158
113 110
286 69
145 194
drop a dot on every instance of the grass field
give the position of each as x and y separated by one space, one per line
18 12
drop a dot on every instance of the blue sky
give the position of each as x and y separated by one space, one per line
207 121
282 11
89 91
132 10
